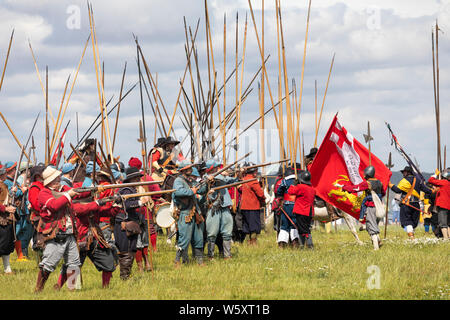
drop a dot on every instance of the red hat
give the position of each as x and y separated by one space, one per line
135 162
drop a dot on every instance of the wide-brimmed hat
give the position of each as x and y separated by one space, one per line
160 142
312 153
132 173
185 164
90 167
10 166
211 164
169 140
407 169
50 174
67 167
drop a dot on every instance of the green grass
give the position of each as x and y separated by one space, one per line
335 269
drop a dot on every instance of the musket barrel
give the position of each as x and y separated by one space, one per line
119 185
151 193
233 184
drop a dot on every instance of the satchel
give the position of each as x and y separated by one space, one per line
131 228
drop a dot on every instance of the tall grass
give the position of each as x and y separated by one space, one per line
335 269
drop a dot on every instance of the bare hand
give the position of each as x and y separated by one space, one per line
10 209
145 199
72 193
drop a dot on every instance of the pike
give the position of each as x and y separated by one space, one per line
389 165
368 138
21 156
108 164
142 140
101 188
78 155
33 147
13 134
60 141
6 60
87 134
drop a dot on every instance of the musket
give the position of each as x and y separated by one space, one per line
264 164
222 170
101 188
232 184
148 194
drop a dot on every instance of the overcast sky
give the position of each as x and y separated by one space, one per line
382 70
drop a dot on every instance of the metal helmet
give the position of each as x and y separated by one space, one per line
369 172
305 177
446 175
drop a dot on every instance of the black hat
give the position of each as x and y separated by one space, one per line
407 169
312 153
305 177
36 170
131 173
169 140
160 142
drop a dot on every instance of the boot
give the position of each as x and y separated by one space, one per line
18 246
295 243
140 266
281 244
72 279
445 233
375 241
211 246
227 249
309 242
177 262
61 280
301 241
125 263
42 278
148 267
198 253
106 277
379 241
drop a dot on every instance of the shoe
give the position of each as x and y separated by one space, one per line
23 259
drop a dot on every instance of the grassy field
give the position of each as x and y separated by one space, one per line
336 269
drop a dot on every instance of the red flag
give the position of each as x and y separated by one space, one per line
340 160
59 149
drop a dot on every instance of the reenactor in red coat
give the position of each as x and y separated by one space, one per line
57 228
443 201
303 207
252 195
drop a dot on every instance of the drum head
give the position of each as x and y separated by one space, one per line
164 217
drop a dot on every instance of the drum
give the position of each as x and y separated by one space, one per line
164 217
